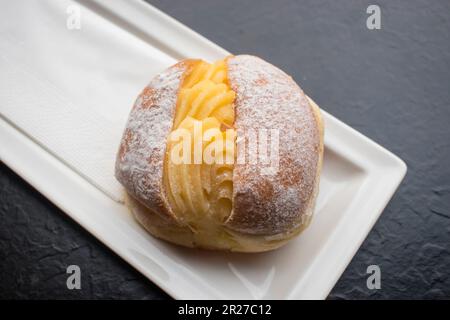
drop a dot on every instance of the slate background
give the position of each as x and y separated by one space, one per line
392 85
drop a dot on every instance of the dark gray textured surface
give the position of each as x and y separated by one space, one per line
392 85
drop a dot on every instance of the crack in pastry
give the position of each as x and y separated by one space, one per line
200 194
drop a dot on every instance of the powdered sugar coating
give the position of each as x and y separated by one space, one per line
139 165
268 98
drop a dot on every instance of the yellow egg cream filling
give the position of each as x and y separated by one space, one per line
200 153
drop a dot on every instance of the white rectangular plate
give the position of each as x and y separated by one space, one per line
359 177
